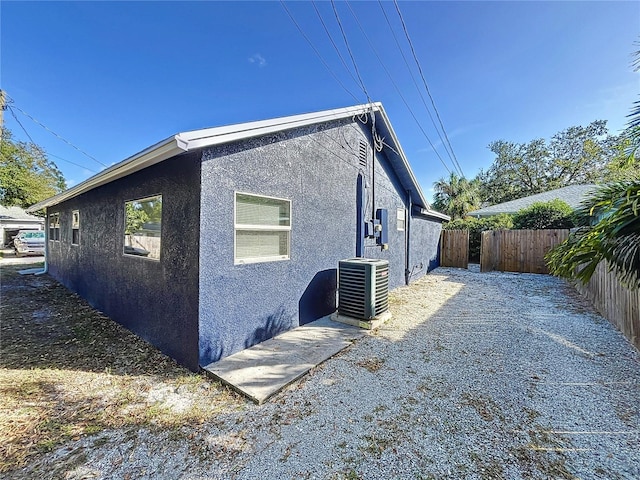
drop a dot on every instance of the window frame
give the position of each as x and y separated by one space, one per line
124 227
401 222
75 227
260 228
54 229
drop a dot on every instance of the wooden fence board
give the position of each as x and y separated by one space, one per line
616 303
454 248
518 250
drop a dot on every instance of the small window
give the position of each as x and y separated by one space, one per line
262 228
54 226
401 216
143 227
75 227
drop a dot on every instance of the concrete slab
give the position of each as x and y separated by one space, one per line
263 370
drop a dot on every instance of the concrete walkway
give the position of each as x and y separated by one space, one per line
263 370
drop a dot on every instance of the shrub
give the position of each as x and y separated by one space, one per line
552 214
478 225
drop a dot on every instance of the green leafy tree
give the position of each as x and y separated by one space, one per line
27 176
576 155
135 217
615 238
552 214
478 225
456 196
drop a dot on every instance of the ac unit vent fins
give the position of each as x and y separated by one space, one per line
363 288
362 154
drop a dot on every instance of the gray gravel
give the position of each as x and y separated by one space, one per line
482 376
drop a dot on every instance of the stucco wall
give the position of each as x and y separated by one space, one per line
424 245
158 300
317 169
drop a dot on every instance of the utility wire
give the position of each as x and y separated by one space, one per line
61 138
415 57
397 88
44 151
317 52
344 63
415 83
355 65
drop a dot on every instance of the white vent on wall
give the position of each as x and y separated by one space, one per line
363 288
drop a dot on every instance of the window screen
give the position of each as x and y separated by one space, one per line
401 219
75 227
262 228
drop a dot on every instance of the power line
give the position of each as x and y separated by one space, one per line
415 83
415 57
355 65
44 151
317 52
332 42
397 88
61 138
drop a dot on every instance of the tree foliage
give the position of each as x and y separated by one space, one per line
27 176
576 155
456 196
478 225
552 214
615 238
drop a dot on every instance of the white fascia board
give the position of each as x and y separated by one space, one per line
161 151
187 141
398 148
432 213
218 135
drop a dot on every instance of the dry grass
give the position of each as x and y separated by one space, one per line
67 371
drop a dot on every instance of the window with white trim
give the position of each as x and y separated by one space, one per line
262 228
54 226
75 227
401 217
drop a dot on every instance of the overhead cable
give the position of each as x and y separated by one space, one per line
61 138
397 88
317 52
415 57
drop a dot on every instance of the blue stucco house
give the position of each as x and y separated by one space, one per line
214 240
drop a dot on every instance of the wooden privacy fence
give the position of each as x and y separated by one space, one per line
454 248
616 303
518 250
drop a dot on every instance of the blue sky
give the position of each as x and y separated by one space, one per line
116 77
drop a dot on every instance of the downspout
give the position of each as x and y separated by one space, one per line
407 272
45 267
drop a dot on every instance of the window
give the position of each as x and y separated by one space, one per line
262 228
401 216
54 226
143 227
75 227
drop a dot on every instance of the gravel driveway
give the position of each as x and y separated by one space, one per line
482 376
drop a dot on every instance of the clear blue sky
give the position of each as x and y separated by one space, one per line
116 77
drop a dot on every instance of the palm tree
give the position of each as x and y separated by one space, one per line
615 238
456 196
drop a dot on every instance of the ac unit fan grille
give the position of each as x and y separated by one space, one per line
363 287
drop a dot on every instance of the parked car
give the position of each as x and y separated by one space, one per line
29 242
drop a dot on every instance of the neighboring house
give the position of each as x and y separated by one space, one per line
214 240
573 195
14 219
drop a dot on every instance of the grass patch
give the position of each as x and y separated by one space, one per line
67 371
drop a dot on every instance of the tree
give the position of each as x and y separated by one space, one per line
27 176
456 196
552 214
615 238
576 155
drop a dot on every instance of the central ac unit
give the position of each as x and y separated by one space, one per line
363 288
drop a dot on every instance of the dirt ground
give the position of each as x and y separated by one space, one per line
478 376
67 371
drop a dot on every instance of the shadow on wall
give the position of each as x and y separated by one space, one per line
272 325
319 298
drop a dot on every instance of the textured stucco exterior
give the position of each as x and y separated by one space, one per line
158 300
317 168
